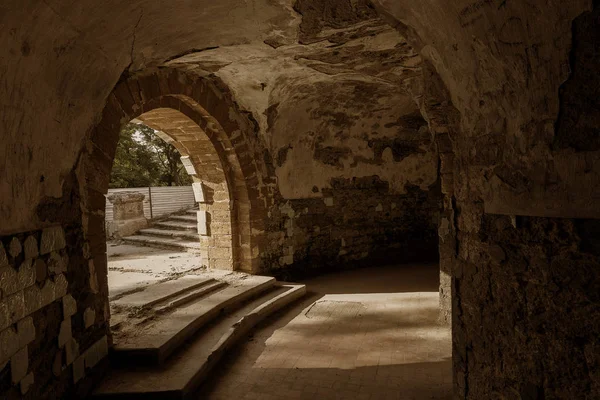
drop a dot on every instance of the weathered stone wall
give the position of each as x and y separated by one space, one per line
538 280
524 285
357 172
523 153
53 320
358 222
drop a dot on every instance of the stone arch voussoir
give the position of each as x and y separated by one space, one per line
236 149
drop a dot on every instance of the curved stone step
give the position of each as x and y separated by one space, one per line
187 218
165 243
179 225
187 297
155 341
163 291
170 233
183 373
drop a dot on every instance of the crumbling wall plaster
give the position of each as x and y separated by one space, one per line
348 128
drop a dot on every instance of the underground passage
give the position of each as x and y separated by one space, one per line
378 200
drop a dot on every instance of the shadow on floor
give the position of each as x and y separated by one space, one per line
417 381
402 324
403 278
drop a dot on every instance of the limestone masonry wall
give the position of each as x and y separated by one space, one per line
53 329
359 221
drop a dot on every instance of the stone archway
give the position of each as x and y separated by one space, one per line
217 218
204 123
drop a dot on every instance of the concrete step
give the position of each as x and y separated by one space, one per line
185 370
187 218
178 225
170 233
163 242
155 341
163 291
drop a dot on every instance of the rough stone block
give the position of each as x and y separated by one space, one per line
89 317
33 299
220 228
16 306
19 364
3 257
198 192
9 344
52 239
66 332
14 248
220 241
69 306
93 277
9 280
26 383
97 352
223 252
188 165
5 319
57 264
61 286
203 228
222 264
128 213
26 275
31 247
26 331
47 293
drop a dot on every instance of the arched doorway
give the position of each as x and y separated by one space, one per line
203 123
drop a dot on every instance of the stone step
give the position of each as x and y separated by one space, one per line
187 218
155 341
163 291
170 233
189 296
185 370
178 225
192 211
163 242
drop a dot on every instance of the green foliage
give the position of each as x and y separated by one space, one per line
143 159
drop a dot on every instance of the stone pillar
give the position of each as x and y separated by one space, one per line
128 213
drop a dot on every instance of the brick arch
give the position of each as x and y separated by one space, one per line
201 117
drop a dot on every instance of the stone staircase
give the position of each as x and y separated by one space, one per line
168 337
178 232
